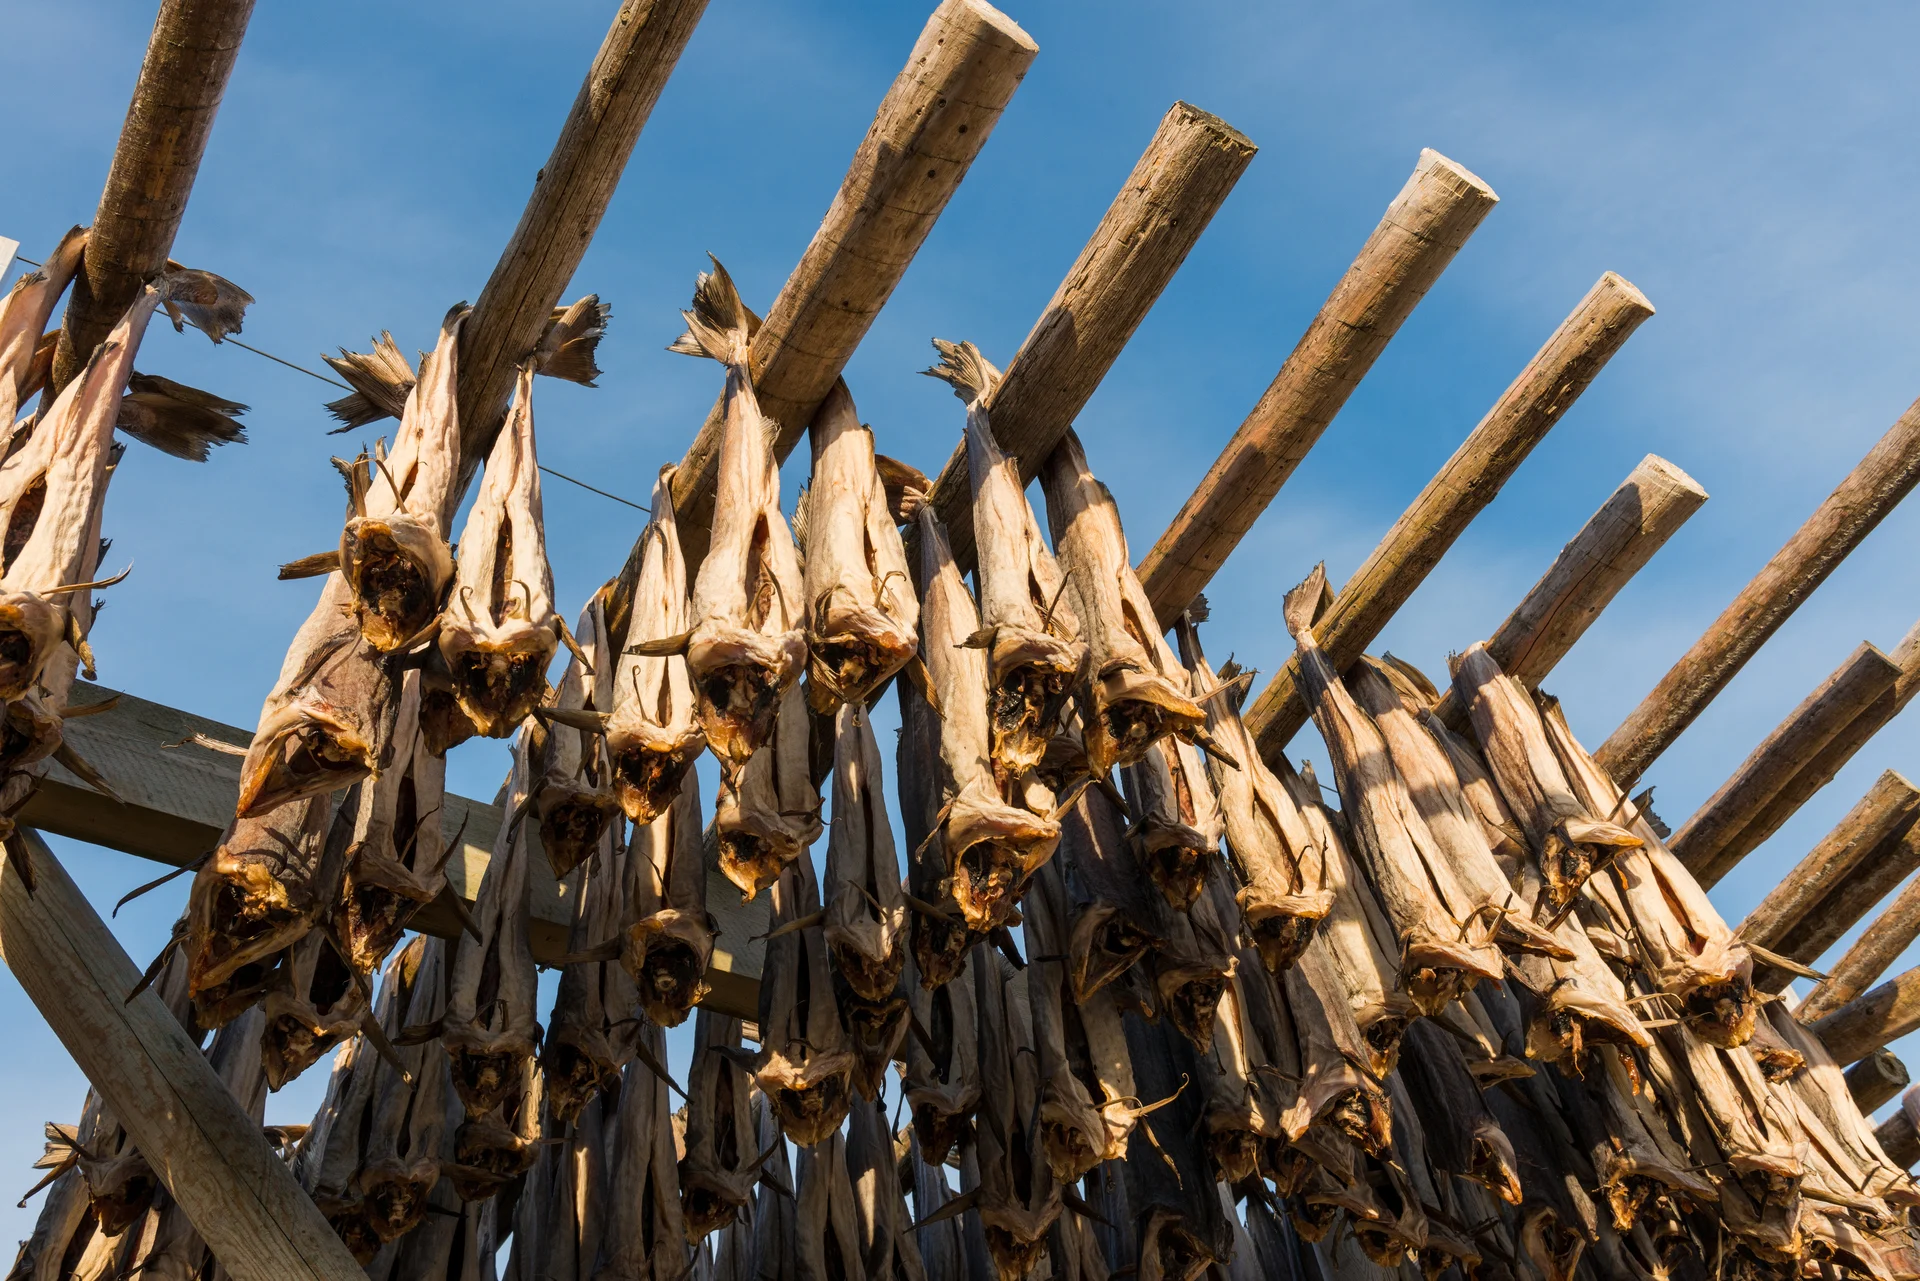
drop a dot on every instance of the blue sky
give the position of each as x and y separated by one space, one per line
1749 167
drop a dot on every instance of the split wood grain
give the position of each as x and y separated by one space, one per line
1178 184
182 80
570 195
211 1155
1576 353
928 131
1872 1020
1617 541
1440 206
1723 830
1875 1080
1871 955
1871 490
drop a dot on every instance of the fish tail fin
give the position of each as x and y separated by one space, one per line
215 305
381 379
1304 604
970 374
572 338
177 419
719 326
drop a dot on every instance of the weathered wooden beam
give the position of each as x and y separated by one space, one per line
1898 1137
211 1156
176 797
1871 955
1180 181
1847 902
1578 350
182 78
1785 920
1872 1020
1651 504
1876 1079
1440 206
570 195
1723 831
1871 490
931 125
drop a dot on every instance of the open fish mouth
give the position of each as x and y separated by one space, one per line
1177 1253
1014 1253
572 821
396 578
1069 1147
1189 996
572 1076
739 678
754 860
987 881
667 970
1721 1013
394 1204
1383 1037
941 1131
707 1205
249 917
30 627
1363 1115
484 1077
1030 679
497 683
1312 1217
1280 936
28 733
1104 944
812 1105
876 1029
939 946
648 771
845 667
308 754
1235 1150
1554 1247
871 978
1133 710
1175 864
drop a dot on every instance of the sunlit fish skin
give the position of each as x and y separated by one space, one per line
24 316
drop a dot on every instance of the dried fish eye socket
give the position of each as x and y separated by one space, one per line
669 979
484 1078
1015 1255
1780 1064
395 596
1721 1014
1281 937
498 687
940 946
940 1132
646 778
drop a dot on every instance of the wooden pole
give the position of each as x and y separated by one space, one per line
1898 1137
182 78
931 125
1871 955
1180 181
1651 504
1578 350
570 195
1869 492
1776 924
1440 206
1876 1079
1872 1020
212 1158
1849 899
1722 831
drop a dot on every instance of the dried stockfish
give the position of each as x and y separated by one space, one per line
937 935
400 1165
774 1229
1033 659
1443 948
1340 1104
888 1249
398 860
769 812
491 1024
23 318
654 735
178 420
749 617
316 1002
863 621
990 847
333 1152
65 1223
1170 1184
1019 1198
1461 1136
722 1163
1675 930
937 1242
1177 821
1830 1117
1191 967
827 1246
1115 915
1284 892
558 1213
494 1148
806 1062
941 1078
645 1238
866 908
574 799
589 1036
265 887
394 555
668 943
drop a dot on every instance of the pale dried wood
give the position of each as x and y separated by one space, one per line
1518 421
1875 1079
1873 1019
1871 955
1440 206
188 60
1871 490
1772 924
1179 182
1651 504
928 130
570 195
1724 830
1899 1138
207 1150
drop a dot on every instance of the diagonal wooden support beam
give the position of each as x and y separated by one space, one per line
1177 186
929 129
1439 208
175 99
1874 1080
1898 1137
1871 955
1727 828
1576 353
1616 542
1871 490
570 196
212 1157
1872 1020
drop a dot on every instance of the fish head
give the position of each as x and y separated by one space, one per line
498 673
397 567
31 626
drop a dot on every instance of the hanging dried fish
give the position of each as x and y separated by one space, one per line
1443 950
806 1063
722 1163
1019 1199
1033 659
394 555
316 1002
398 860
1284 892
863 621
1177 821
499 629
667 946
491 1149
1340 1104
330 1158
264 887
1116 914
589 1036
654 735
866 908
491 1024
827 1246
1192 965
574 799
941 1078
1135 698
770 814
990 847
749 640
400 1165
645 1235
23 319
1170 1188
181 421
888 1248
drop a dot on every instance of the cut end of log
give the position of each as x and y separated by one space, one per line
1631 297
1654 468
986 15
1185 113
1433 165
